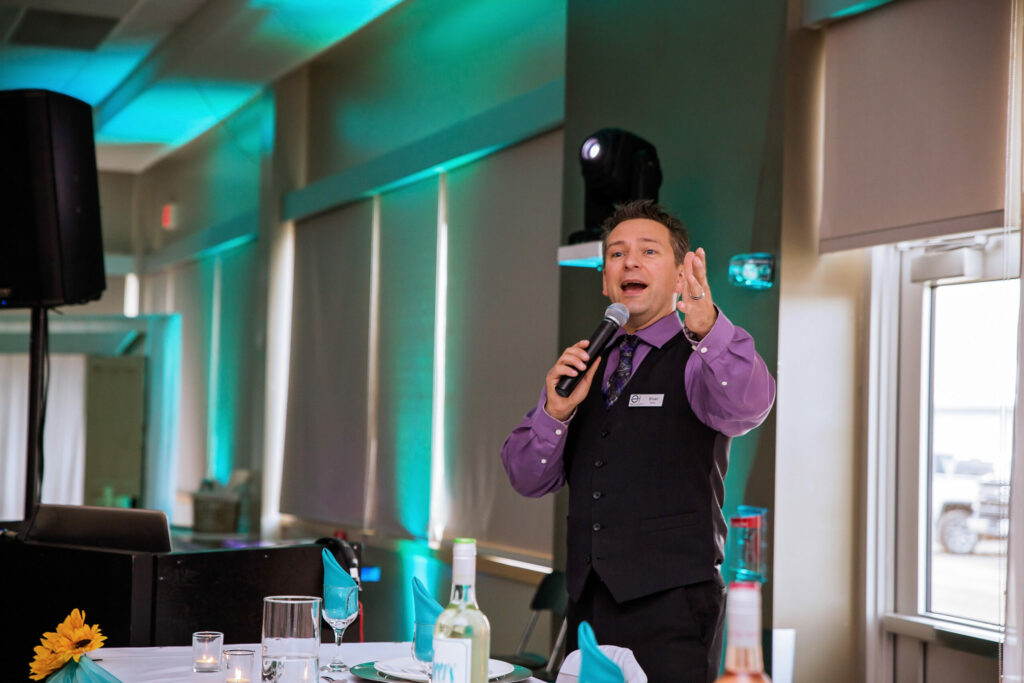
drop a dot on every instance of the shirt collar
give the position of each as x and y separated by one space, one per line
657 333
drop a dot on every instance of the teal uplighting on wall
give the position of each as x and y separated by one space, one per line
408 271
314 24
413 425
444 167
58 70
163 371
418 561
175 111
859 8
229 336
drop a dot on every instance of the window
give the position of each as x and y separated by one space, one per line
956 373
973 370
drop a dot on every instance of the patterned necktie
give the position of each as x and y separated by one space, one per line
617 382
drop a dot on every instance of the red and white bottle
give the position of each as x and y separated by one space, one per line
744 662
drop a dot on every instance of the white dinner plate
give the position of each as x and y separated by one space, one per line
409 669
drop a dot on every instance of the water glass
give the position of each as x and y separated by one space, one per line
291 638
206 647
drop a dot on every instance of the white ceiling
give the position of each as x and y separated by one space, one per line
161 72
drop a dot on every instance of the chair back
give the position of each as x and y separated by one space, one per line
551 594
99 527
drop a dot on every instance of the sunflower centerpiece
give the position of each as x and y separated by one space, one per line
60 656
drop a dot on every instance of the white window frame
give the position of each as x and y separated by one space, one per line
897 518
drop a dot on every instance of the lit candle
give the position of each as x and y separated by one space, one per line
237 678
205 659
239 665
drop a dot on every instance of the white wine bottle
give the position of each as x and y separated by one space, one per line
743 660
462 634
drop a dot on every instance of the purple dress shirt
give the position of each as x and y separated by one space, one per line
727 383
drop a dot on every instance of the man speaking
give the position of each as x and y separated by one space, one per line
644 450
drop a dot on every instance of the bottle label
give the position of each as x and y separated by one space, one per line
744 629
464 571
451 660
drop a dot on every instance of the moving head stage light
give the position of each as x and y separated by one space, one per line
617 167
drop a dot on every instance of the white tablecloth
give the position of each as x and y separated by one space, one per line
174 664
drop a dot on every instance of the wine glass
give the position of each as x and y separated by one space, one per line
341 607
423 646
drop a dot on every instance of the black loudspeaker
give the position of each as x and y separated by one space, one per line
51 249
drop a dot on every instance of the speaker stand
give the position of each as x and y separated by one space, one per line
36 411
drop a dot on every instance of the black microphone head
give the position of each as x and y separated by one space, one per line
617 313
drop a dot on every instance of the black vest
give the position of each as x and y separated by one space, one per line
642 512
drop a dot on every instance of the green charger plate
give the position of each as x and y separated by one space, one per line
370 673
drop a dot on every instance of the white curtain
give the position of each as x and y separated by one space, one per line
1013 652
63 438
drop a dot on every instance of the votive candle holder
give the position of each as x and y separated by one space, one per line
239 665
206 647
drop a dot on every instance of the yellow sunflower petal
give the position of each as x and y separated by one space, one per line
72 622
45 663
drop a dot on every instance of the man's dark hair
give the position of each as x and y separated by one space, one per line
651 210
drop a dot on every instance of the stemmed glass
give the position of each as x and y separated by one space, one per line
423 646
341 607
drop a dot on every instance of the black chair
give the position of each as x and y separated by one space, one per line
551 595
99 527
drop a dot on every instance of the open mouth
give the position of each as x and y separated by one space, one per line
633 286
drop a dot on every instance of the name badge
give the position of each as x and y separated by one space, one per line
646 400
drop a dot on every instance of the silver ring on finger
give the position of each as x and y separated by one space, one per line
698 298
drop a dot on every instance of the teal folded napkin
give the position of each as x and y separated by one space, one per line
595 666
334 573
83 671
426 609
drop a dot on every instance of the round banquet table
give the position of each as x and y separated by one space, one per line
174 664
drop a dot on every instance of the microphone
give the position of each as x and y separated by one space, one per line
615 316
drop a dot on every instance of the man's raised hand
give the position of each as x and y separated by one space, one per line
695 302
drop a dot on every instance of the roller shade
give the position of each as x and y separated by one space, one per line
367 442
914 122
408 260
325 436
502 333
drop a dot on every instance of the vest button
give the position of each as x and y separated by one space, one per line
605 433
597 495
597 526
588 559
599 463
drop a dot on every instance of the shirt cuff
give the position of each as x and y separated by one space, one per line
546 428
715 341
550 429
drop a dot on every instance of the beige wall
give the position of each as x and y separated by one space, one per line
823 375
818 445
117 196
